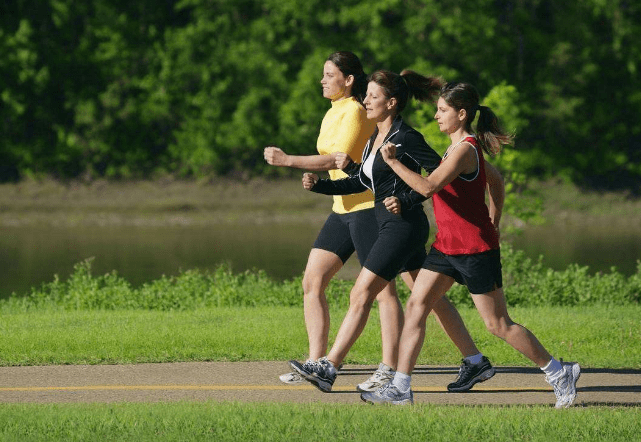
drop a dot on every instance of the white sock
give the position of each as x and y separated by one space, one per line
553 368
402 381
474 359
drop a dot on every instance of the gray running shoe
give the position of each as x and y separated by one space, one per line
389 394
565 384
380 378
470 374
319 373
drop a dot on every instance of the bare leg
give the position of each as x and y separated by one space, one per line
449 319
429 288
493 310
321 267
368 285
391 317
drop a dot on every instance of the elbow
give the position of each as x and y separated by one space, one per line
427 190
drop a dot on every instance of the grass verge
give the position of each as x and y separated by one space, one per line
266 422
596 336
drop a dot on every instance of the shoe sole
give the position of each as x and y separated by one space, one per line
489 374
301 382
569 400
403 402
322 385
369 389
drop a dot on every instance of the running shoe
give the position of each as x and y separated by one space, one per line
320 373
470 374
380 378
565 384
389 394
293 378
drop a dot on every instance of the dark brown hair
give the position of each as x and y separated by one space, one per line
349 64
488 130
405 85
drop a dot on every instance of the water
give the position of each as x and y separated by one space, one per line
30 256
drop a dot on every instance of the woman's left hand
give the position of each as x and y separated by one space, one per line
392 204
388 151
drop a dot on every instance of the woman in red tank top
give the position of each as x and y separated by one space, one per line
466 249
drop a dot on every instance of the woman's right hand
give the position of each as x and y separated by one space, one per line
342 160
275 156
309 180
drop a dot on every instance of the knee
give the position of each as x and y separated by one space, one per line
387 296
313 285
498 327
414 310
360 299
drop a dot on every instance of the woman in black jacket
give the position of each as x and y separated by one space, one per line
402 223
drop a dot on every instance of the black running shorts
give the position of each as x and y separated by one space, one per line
480 272
343 233
400 245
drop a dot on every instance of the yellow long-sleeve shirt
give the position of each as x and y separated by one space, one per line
345 128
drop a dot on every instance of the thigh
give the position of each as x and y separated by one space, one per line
335 237
368 284
321 268
491 306
429 288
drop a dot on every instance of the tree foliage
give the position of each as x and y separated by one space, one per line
107 88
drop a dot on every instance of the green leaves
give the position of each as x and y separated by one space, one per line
198 87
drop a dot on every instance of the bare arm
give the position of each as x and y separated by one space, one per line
496 192
276 157
461 160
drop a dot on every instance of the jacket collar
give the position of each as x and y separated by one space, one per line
393 130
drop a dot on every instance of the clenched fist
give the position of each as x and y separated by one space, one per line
275 156
388 151
392 204
309 180
342 160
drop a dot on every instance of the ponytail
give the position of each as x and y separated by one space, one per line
406 85
489 132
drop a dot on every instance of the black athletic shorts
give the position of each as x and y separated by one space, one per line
343 233
480 272
400 245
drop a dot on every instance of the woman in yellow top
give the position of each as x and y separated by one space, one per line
352 225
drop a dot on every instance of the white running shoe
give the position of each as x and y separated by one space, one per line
292 378
381 377
388 394
565 384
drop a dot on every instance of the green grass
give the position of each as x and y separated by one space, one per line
595 336
314 422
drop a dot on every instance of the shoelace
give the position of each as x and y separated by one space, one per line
464 370
379 375
558 384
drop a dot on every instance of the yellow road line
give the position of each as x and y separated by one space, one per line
240 387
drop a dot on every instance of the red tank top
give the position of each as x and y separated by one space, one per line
462 217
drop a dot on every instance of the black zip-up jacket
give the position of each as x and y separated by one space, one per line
411 150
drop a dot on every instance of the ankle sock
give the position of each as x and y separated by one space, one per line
474 359
553 368
402 381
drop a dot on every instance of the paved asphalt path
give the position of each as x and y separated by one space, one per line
258 381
